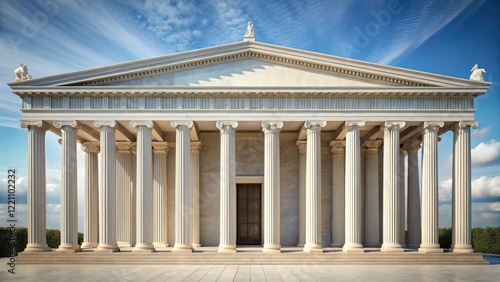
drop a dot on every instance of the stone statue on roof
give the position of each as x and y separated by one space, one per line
22 73
249 32
249 36
477 73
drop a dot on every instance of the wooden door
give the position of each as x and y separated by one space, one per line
249 206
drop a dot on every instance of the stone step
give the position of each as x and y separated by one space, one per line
212 258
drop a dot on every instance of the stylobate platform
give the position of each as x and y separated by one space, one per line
252 256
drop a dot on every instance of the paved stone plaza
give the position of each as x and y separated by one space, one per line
252 272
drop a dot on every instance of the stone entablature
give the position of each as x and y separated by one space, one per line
242 103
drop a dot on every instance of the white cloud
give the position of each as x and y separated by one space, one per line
481 133
486 188
445 190
51 188
495 206
486 153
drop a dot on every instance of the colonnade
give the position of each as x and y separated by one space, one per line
147 207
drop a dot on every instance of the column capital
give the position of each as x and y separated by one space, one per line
337 147
429 126
464 123
196 147
102 123
412 145
124 147
302 146
91 147
271 126
372 146
36 123
221 125
402 152
71 123
314 125
160 147
187 123
145 123
391 124
349 124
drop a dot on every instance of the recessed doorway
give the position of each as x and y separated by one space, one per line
249 214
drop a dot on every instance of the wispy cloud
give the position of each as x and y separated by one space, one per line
423 19
482 132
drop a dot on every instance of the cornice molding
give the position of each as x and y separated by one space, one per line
237 91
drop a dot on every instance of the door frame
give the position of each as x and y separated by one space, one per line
254 180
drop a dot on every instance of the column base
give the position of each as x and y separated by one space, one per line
353 248
392 248
313 248
37 248
89 245
462 249
182 248
271 248
430 248
144 248
223 248
124 245
107 248
69 248
161 245
197 245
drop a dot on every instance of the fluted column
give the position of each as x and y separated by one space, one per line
414 224
353 188
402 190
461 221
90 196
195 183
338 193
125 194
313 186
271 131
430 225
69 187
391 198
144 182
107 187
37 240
160 223
372 238
183 194
227 186
302 146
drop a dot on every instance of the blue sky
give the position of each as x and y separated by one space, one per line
444 37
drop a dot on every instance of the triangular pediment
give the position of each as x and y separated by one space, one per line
248 64
249 72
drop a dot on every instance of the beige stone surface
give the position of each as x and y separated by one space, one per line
47 272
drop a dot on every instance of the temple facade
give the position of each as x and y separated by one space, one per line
250 144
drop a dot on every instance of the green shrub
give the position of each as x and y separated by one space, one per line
486 240
445 238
